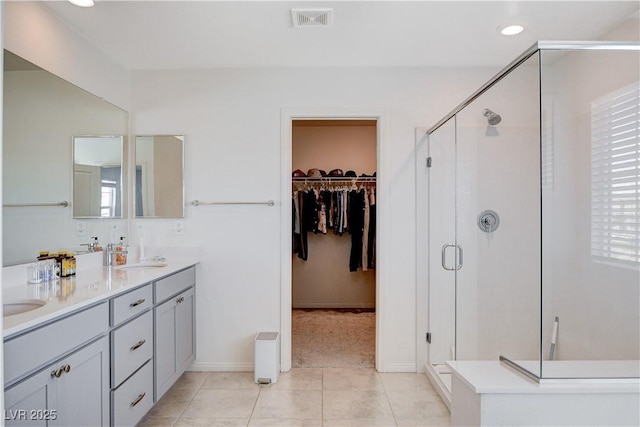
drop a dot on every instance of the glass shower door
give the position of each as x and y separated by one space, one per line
442 233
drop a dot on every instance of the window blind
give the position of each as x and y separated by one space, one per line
615 176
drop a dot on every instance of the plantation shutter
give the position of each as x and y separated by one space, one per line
615 176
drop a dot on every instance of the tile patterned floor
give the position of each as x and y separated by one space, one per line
332 397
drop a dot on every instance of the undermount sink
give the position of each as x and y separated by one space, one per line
21 306
141 265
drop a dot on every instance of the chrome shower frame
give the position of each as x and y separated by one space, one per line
533 50
540 45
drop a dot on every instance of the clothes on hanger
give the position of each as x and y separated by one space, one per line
333 207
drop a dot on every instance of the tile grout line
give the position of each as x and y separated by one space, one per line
191 400
386 395
322 400
253 409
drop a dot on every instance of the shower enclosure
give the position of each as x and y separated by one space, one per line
534 218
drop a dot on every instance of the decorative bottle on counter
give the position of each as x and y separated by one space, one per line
121 258
66 264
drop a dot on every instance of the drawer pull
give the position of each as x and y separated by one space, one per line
137 303
138 344
180 300
138 399
66 368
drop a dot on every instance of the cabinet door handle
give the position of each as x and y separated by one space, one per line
137 303
180 300
138 344
138 399
61 370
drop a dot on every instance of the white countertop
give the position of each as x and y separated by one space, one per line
488 376
87 287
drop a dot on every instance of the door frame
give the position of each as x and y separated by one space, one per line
287 115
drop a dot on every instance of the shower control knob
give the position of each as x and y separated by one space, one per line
488 221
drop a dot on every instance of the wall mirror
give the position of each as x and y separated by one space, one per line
97 176
159 188
41 115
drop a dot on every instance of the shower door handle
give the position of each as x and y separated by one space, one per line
444 256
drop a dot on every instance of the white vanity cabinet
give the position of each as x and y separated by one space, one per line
131 356
174 316
72 388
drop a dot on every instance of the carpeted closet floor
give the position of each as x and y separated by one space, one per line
333 338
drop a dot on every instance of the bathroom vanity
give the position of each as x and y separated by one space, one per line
105 346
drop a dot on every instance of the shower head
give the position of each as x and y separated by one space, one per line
492 118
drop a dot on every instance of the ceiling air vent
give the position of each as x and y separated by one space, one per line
312 17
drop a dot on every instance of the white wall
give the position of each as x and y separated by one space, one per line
231 122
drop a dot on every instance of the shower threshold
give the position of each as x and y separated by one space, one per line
440 377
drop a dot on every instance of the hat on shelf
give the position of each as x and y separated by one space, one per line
336 172
350 174
314 173
298 173
323 173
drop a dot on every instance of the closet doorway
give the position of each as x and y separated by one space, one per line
333 263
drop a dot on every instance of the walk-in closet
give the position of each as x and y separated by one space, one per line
333 202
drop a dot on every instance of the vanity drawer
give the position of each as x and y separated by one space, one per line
133 399
131 347
174 284
130 304
35 348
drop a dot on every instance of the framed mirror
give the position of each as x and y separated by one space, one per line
97 176
159 187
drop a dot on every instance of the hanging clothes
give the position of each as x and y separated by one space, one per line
300 230
356 227
322 213
340 210
365 234
371 252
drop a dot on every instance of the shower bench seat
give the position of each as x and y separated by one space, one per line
488 393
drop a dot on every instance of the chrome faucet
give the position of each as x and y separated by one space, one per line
91 247
110 253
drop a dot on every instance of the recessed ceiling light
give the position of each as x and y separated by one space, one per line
510 29
82 3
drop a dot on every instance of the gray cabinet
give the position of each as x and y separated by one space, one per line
72 391
131 356
174 339
106 364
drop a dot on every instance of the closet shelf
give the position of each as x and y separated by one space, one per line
336 179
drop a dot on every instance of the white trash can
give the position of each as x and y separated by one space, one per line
267 357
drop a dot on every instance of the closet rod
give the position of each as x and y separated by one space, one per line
63 204
199 202
331 180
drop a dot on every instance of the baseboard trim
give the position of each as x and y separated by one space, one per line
333 305
221 367
398 367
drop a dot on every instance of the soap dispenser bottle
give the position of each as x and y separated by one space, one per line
121 255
